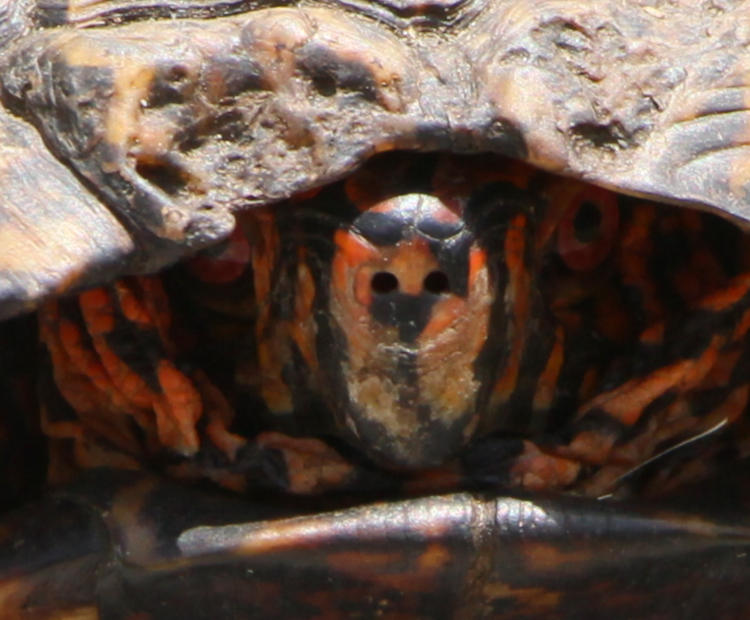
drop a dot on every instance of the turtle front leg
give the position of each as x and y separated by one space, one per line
114 363
683 394
130 401
688 380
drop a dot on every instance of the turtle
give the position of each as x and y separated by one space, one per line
420 308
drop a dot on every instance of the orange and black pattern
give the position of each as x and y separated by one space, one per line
432 321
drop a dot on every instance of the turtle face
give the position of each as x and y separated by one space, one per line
411 290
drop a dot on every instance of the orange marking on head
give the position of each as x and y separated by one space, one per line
353 248
350 271
260 227
410 261
362 285
444 312
687 284
515 245
434 558
590 447
477 262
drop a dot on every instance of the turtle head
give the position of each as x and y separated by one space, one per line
431 294
411 291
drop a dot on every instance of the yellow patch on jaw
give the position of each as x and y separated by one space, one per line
377 399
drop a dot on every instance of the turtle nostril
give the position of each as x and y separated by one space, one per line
384 282
436 282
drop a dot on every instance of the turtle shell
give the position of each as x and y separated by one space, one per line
134 130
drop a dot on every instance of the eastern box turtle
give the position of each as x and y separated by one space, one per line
358 308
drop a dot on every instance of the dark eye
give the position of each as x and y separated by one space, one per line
588 229
436 282
223 263
383 282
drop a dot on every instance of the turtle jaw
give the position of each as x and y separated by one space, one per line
412 414
429 443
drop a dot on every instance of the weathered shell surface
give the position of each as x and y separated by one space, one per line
174 121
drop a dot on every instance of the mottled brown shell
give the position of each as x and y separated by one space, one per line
131 130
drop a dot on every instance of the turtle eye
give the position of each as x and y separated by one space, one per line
588 229
223 263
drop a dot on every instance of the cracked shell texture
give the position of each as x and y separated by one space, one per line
172 121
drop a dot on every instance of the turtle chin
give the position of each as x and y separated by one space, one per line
428 442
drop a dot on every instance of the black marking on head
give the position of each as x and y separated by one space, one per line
410 313
439 230
382 229
453 258
495 204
